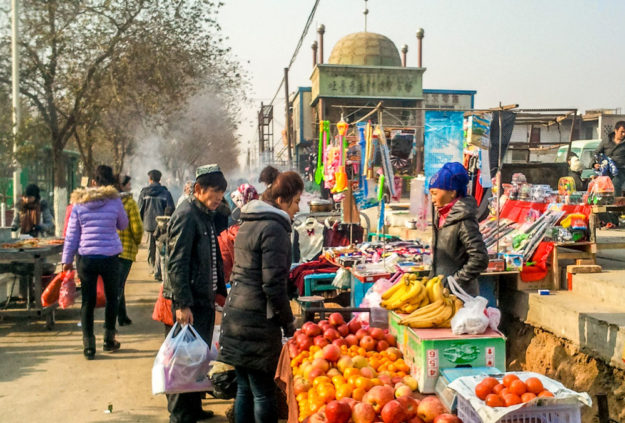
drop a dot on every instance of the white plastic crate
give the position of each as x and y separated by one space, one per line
565 413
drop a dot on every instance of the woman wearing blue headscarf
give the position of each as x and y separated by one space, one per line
458 249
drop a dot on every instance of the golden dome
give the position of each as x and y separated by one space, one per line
365 49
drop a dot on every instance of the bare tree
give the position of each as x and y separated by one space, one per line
69 48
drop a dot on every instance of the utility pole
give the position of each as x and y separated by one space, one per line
288 116
16 115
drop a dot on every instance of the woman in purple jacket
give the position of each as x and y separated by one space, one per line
96 216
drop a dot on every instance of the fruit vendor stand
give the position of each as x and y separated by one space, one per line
31 253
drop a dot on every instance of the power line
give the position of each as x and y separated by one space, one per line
299 45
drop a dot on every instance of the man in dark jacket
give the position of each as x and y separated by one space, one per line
457 245
614 148
154 200
195 279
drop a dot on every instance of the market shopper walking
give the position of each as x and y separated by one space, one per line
614 148
96 216
457 246
33 215
195 280
131 239
257 311
153 200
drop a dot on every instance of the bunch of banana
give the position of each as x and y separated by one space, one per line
438 313
407 295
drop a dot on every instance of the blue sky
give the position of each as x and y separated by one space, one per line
554 53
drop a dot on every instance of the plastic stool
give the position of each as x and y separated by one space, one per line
314 283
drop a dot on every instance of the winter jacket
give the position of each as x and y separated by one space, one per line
153 201
258 306
193 273
615 151
96 216
131 236
46 223
226 245
458 248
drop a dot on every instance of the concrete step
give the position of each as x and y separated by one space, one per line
607 287
596 327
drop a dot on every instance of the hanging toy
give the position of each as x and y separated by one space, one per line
324 130
386 159
331 164
341 175
363 146
370 151
382 205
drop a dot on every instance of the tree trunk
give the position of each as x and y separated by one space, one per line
60 188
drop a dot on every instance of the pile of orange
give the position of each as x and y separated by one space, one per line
510 391
348 382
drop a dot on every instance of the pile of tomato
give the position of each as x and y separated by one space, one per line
510 390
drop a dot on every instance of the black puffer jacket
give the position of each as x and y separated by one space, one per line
613 150
190 240
458 247
258 304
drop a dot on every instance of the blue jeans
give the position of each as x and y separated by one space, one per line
256 397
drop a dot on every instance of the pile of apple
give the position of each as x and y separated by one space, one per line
343 372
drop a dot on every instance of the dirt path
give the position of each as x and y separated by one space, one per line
44 376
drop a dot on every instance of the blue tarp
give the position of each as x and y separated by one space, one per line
443 141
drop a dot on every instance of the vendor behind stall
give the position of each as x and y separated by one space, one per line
33 217
458 249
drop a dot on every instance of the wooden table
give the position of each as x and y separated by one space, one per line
570 251
35 256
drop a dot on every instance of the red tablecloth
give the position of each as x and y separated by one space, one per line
284 380
518 210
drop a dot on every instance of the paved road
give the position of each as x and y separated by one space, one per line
45 378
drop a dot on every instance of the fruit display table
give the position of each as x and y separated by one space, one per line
284 380
34 256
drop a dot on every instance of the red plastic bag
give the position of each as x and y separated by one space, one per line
101 297
50 295
67 295
162 310
540 258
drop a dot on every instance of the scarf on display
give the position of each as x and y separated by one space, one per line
30 216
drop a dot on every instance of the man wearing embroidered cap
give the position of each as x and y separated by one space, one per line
458 249
195 279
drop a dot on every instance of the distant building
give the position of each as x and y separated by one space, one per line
364 69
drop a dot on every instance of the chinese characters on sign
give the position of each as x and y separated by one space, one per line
343 81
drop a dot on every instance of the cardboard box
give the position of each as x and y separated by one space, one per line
397 330
427 351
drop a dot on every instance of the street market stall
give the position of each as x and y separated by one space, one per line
28 257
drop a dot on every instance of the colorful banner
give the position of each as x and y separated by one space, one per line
443 141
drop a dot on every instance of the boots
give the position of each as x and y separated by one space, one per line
88 343
110 343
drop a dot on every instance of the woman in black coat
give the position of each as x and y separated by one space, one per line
457 245
257 310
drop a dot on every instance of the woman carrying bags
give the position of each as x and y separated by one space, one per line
97 214
458 249
257 310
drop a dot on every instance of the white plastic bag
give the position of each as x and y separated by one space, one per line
471 318
343 279
182 363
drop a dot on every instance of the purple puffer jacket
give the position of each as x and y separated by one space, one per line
97 214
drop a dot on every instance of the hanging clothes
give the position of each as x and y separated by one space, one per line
310 239
338 234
